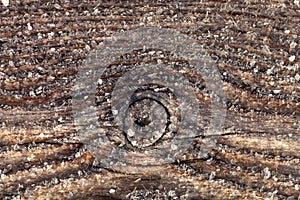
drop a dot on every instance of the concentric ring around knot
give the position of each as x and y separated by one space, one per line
155 114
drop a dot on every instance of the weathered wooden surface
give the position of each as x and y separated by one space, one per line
256 47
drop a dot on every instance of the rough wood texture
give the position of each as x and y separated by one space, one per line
256 47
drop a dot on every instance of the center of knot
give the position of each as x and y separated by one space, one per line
146 122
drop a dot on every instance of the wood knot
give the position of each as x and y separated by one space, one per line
142 99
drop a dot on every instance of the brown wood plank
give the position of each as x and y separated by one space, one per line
256 49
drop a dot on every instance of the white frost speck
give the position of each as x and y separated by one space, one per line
130 133
80 173
87 47
51 26
297 2
134 143
267 173
276 91
115 112
172 193
293 45
5 2
40 36
96 11
100 82
32 94
174 147
212 175
111 191
252 63
292 58
269 71
29 26
11 63
50 35
297 77
57 6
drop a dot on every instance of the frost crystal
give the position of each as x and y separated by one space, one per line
5 2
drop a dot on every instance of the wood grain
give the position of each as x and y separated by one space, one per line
255 45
